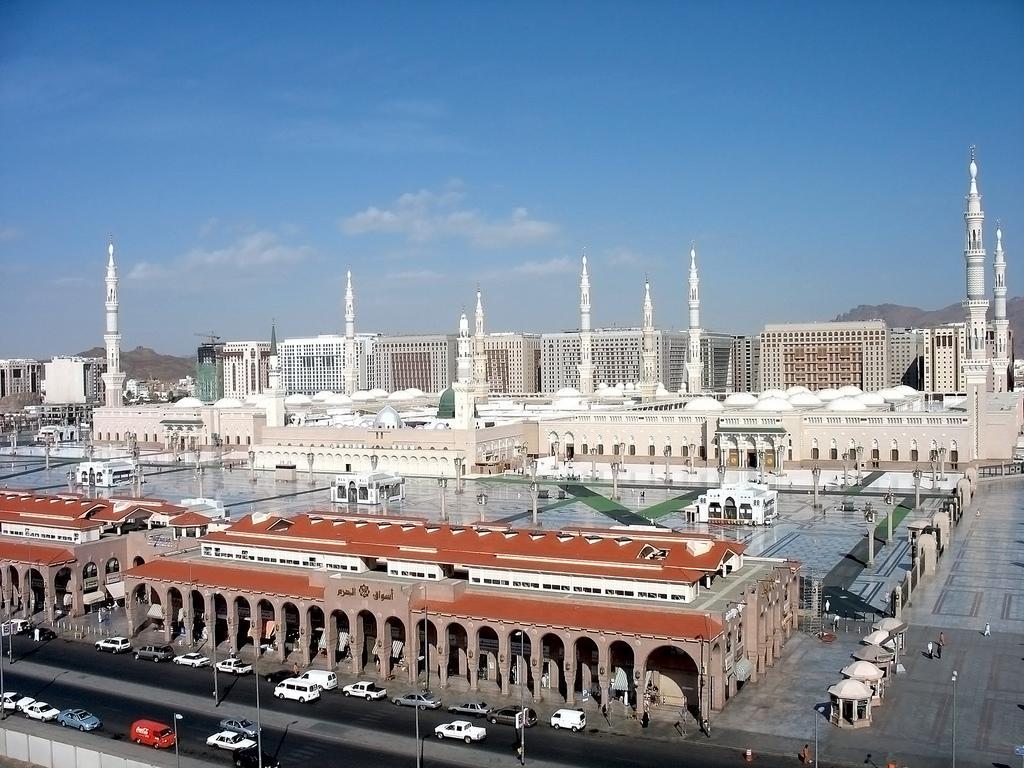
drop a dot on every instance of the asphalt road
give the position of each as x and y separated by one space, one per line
320 733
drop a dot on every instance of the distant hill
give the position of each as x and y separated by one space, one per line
898 316
145 363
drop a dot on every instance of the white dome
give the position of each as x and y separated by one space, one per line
188 402
796 390
850 391
339 398
850 689
414 392
603 385
871 398
892 395
862 670
611 393
620 386
297 399
703 404
568 392
805 399
378 392
388 418
362 395
908 391
773 404
322 397
228 402
740 400
402 394
630 387
846 404
772 393
661 391
827 394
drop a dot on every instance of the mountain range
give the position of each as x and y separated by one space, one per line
899 316
144 363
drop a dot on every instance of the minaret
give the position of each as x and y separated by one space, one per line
113 379
586 362
464 361
1001 353
976 366
648 381
351 357
275 399
694 366
480 382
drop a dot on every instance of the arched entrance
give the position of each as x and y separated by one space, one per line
62 592
243 623
91 595
622 685
198 628
456 648
175 612
366 626
673 679
552 664
393 651
428 659
488 668
520 669
266 629
587 679
317 631
220 619
289 633
343 635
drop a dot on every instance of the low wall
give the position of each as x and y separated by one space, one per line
56 754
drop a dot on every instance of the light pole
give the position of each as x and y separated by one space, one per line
615 480
846 464
259 727
667 452
816 476
442 484
816 714
177 757
252 466
954 720
892 511
693 457
534 488
917 489
860 456
458 474
869 517
3 687
309 463
942 463
522 697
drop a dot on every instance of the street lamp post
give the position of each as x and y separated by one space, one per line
3 687
816 476
615 480
816 713
869 517
309 463
889 523
458 474
534 488
252 466
667 452
521 678
953 748
860 457
177 757
846 464
917 489
442 484
942 463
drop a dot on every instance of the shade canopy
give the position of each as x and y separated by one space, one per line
850 690
862 670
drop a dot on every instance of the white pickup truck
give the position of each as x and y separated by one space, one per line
365 689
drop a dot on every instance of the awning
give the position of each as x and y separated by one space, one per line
396 649
116 589
621 680
342 641
156 611
743 669
269 627
97 596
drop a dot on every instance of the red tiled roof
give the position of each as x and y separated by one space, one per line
189 519
597 552
62 506
64 523
58 510
255 580
31 552
575 614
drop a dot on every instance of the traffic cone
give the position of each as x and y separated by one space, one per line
749 756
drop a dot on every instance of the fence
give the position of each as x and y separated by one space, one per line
49 753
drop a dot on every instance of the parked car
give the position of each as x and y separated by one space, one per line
365 689
114 645
230 740
40 710
42 634
461 729
507 716
573 719
278 676
152 733
250 758
10 700
22 702
234 666
242 725
471 708
154 653
326 679
297 690
80 719
421 700
192 660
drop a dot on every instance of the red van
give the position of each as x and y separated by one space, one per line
152 734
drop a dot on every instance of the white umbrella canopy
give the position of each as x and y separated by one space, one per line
891 625
876 654
862 670
878 637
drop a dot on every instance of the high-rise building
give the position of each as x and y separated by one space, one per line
906 357
825 355
73 380
616 357
512 362
316 364
210 372
746 363
20 376
425 362
246 368
944 349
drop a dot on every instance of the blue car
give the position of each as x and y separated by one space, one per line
80 719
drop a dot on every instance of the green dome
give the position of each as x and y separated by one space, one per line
446 405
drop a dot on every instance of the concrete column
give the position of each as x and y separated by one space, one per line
208 618
304 634
355 648
331 639
569 667
280 631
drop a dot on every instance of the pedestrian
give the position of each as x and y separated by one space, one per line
988 629
942 642
827 604
805 753
646 719
835 622
295 668
930 656
604 712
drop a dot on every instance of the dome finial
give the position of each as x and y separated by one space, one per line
110 249
974 165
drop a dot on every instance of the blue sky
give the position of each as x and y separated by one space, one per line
245 155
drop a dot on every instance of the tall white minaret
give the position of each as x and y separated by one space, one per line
275 400
648 380
586 361
694 366
351 356
113 379
480 383
464 361
1001 353
976 366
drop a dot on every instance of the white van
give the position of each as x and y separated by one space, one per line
297 690
573 719
326 679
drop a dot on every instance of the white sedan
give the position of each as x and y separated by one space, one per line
192 660
461 729
40 710
230 740
234 666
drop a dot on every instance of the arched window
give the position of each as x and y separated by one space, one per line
113 566
89 571
914 456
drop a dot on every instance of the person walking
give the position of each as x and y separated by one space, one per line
941 643
930 646
805 754
988 629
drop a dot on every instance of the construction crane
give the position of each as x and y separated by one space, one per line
211 337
